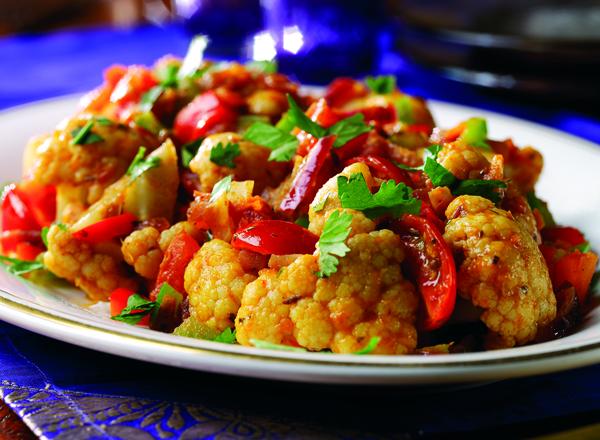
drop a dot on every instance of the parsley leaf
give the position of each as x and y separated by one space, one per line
392 198
348 128
404 109
302 221
371 345
475 133
103 121
283 144
584 247
20 267
194 57
438 174
220 188
483 188
168 75
331 243
542 208
189 150
85 135
382 85
227 336
302 121
263 66
224 155
150 97
137 307
271 346
139 165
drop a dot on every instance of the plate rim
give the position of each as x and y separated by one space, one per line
577 356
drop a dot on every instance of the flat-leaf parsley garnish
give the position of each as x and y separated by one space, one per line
283 144
189 150
139 165
382 85
263 66
227 336
391 198
332 242
271 346
21 267
371 345
483 188
436 172
348 129
224 155
137 307
85 135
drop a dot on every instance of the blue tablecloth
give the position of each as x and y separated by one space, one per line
62 391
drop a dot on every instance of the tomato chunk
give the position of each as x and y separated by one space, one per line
107 229
16 213
565 235
576 269
205 114
343 90
432 264
276 237
180 252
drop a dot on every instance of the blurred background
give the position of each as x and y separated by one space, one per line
538 59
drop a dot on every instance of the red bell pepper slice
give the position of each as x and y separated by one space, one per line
432 264
205 114
275 237
107 229
130 87
575 269
563 235
343 90
309 177
180 252
384 169
118 301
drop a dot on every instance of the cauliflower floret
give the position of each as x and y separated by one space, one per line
252 164
367 297
503 271
96 269
167 235
215 281
464 161
89 168
328 201
141 250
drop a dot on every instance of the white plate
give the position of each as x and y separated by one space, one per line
571 183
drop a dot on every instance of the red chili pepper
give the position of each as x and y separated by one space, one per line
276 237
118 301
383 169
180 252
107 229
323 115
130 88
575 269
563 234
432 264
354 147
205 114
309 177
343 90
11 239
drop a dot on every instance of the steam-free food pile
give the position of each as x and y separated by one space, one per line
223 201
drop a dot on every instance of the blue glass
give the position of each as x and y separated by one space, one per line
321 39
228 23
